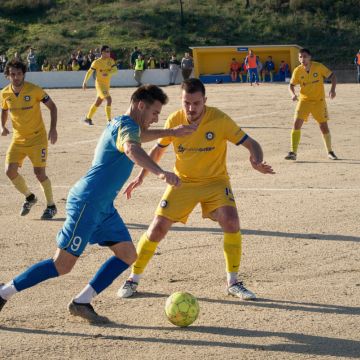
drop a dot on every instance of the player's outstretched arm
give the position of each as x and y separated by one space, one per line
52 136
178 131
256 156
155 154
4 117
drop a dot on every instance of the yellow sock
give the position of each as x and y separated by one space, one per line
232 251
92 111
327 141
108 112
46 185
145 250
295 140
20 185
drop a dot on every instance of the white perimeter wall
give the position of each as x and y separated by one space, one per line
74 79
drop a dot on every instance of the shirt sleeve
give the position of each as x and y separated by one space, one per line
166 141
233 131
294 78
4 105
325 72
41 95
127 132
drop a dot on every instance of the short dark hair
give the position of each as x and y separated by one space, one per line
149 94
192 86
16 64
304 50
104 47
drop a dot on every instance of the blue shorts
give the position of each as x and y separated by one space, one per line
85 223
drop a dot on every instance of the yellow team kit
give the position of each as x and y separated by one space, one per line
104 69
29 134
200 164
312 94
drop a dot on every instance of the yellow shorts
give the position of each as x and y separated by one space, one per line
317 109
102 90
178 202
36 153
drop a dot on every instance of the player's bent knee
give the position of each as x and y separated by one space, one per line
64 261
125 251
11 173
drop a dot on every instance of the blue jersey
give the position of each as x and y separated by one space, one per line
110 168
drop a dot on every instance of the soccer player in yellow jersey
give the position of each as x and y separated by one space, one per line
201 166
22 100
104 68
310 76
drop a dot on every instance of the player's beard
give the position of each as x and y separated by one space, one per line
192 119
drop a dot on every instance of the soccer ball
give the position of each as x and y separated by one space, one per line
182 309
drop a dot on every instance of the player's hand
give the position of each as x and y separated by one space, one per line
332 94
183 130
84 86
52 136
262 167
132 186
4 131
294 98
170 178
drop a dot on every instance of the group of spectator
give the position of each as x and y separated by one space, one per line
253 69
139 64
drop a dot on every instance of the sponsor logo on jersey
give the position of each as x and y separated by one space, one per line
315 74
27 98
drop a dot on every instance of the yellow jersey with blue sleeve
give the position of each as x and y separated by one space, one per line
311 82
25 112
201 156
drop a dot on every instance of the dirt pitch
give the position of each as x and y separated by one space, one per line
300 250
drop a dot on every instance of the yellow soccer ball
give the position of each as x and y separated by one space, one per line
182 309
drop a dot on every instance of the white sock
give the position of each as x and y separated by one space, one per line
135 277
231 278
8 290
86 295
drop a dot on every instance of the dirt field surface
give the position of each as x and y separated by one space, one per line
301 242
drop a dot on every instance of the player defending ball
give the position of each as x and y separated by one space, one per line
22 99
90 213
104 68
310 76
201 166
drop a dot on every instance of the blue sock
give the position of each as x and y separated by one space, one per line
108 272
36 274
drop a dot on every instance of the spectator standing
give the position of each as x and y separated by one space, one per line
60 66
17 56
85 65
152 63
174 66
3 61
234 69
260 69
139 69
187 65
284 70
251 63
45 66
91 56
163 63
134 56
357 63
97 53
31 60
269 68
79 57
75 66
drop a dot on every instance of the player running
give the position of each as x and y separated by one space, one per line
104 68
91 215
310 76
22 99
201 166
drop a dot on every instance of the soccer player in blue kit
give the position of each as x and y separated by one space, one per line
91 215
